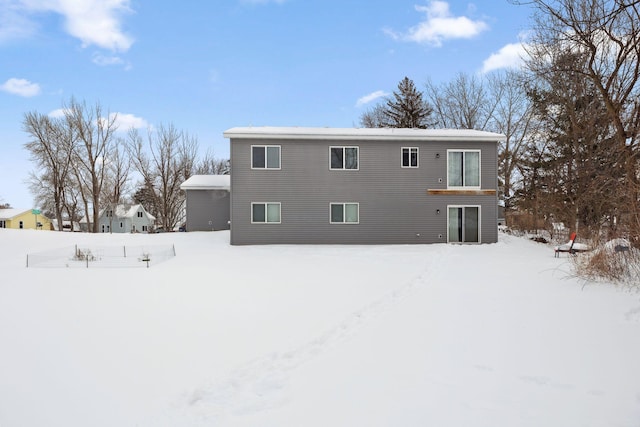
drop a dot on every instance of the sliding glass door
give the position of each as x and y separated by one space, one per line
464 224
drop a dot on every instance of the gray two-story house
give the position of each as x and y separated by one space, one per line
363 186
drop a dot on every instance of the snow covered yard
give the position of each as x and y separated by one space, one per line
425 335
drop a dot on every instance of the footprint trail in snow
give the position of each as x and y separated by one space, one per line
262 384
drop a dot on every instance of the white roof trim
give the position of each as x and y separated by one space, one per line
207 182
398 134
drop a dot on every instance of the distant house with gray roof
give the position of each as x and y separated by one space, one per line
123 219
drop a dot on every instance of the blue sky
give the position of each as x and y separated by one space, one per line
209 66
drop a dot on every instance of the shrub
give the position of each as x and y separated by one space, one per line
616 261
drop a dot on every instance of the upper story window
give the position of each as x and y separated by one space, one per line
139 214
343 158
409 157
463 168
265 157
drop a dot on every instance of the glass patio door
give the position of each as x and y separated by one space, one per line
464 224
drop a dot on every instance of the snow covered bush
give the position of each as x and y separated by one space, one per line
616 261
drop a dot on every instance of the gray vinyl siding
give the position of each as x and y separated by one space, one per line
394 206
208 210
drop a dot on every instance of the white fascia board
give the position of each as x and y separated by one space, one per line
369 134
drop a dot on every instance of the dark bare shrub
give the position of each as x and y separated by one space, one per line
616 261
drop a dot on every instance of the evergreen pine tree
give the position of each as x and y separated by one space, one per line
407 109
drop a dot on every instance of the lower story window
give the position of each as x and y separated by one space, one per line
464 224
3 224
344 213
265 213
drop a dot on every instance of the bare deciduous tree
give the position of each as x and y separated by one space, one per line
95 133
211 165
511 116
605 35
167 160
118 166
51 147
463 103
374 117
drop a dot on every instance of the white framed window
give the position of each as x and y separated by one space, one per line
265 212
121 225
139 214
463 224
3 224
145 228
409 157
265 157
344 213
344 158
463 168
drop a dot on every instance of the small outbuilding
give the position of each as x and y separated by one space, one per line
208 202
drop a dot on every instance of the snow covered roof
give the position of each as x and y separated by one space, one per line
123 211
362 134
12 213
207 182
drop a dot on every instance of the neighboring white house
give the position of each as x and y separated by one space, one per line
123 219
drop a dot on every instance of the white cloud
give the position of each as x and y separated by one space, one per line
13 23
371 97
21 87
57 114
440 25
94 22
128 121
104 61
509 56
123 121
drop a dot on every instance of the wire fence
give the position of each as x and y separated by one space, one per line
102 257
